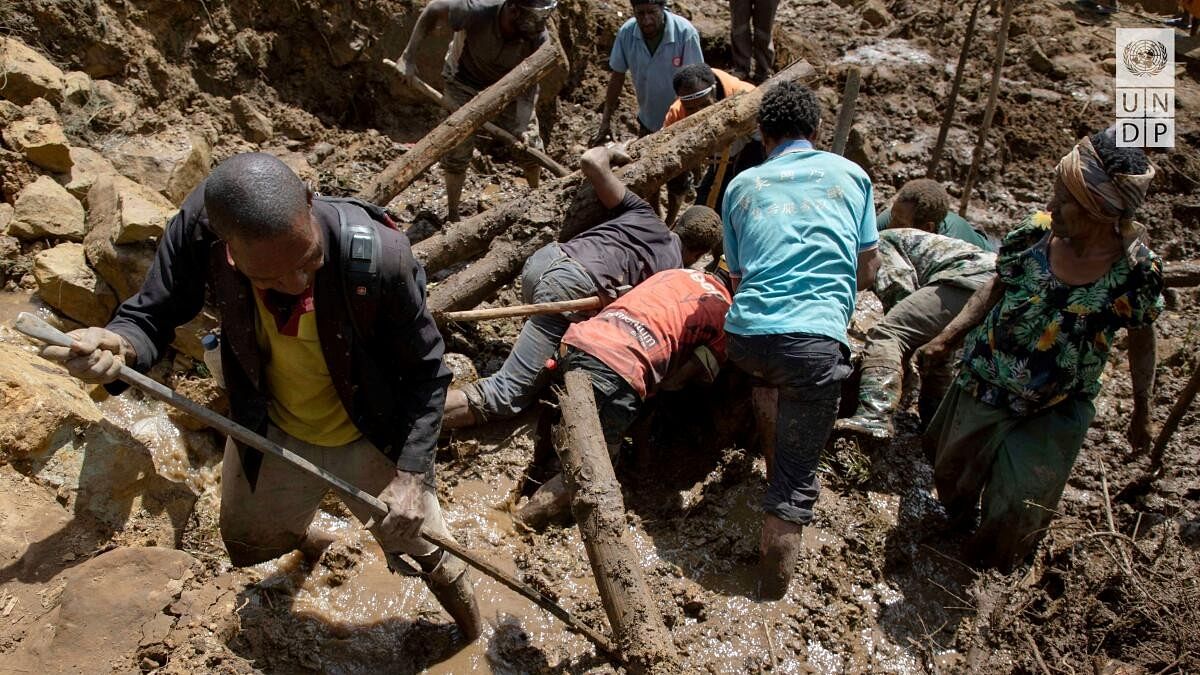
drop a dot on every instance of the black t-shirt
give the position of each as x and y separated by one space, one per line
627 248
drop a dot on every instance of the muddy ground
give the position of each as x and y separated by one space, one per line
880 587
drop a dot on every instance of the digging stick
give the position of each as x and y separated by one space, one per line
38 329
990 111
1176 415
522 310
845 117
952 99
499 132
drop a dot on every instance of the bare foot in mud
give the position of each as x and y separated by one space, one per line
315 542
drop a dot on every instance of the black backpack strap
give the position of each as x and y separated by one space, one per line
361 270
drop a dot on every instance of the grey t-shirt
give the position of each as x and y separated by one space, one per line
486 55
626 249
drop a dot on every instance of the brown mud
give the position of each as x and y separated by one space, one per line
879 587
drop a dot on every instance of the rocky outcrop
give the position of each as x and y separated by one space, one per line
43 406
26 75
171 162
255 126
86 166
45 209
131 212
41 142
123 266
66 283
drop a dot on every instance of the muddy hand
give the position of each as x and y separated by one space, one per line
603 134
932 355
618 154
96 355
1140 435
406 508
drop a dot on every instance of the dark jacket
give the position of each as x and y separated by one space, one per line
392 383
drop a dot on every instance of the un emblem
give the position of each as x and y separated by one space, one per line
1145 58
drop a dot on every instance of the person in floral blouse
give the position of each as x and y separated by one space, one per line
1038 336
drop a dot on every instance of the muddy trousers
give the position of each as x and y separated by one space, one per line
1018 467
548 276
910 324
272 519
808 371
760 14
517 118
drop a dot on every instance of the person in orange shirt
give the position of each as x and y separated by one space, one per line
699 86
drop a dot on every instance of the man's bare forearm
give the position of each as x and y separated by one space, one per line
1143 359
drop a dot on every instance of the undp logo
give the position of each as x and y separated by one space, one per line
1145 58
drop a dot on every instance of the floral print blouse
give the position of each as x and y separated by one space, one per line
1047 341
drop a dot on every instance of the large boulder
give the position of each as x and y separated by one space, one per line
66 283
123 266
45 209
40 142
171 162
86 166
130 211
109 609
43 406
26 75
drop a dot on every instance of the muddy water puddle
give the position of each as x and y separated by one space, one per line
12 303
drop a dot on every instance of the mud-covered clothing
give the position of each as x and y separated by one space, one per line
617 404
270 519
1046 342
303 402
487 55
911 259
953 225
794 227
517 118
1017 464
653 73
392 384
656 327
743 47
626 249
808 371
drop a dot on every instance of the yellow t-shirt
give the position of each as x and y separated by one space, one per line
303 401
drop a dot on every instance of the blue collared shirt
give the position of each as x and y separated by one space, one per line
794 226
653 73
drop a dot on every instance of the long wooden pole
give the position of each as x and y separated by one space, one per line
499 132
38 329
990 111
582 304
460 124
1182 403
600 513
845 117
952 99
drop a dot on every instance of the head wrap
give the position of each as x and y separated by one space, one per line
1104 196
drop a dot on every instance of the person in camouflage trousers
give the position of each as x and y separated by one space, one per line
923 282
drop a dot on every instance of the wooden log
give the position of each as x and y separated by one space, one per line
1182 403
990 111
461 124
567 206
841 132
599 511
582 304
498 132
1181 274
952 99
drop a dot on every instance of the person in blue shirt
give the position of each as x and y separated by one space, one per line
800 242
651 46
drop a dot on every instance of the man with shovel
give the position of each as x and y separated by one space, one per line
492 38
356 388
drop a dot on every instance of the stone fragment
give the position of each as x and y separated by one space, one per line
171 162
115 202
9 112
256 126
111 104
77 87
68 284
86 166
295 161
26 74
41 143
6 214
45 209
876 14
42 404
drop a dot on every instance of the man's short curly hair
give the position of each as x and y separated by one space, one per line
929 200
1131 160
699 229
694 76
789 110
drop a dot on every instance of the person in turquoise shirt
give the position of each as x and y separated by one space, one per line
800 241
651 46
924 204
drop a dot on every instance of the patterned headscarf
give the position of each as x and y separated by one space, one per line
1105 197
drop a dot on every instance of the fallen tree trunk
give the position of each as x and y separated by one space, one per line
461 124
566 206
599 511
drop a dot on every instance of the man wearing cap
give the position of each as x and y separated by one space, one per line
652 46
699 86
495 36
